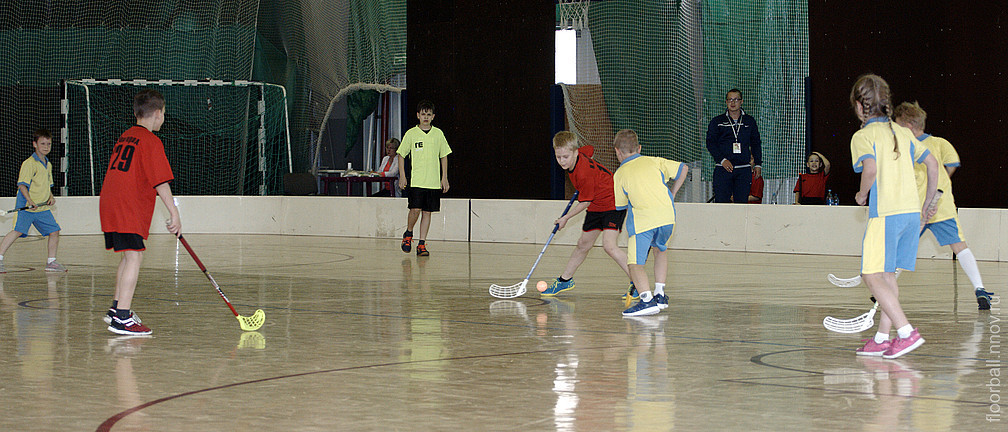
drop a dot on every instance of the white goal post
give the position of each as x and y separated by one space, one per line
222 137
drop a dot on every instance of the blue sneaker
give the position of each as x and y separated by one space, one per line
643 308
662 300
983 298
558 286
632 293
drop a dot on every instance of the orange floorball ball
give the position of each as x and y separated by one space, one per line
541 286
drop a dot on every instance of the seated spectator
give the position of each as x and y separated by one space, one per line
389 167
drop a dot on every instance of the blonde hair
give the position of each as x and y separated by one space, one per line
565 140
912 113
871 92
626 141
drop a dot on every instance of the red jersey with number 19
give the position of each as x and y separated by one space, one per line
138 165
593 181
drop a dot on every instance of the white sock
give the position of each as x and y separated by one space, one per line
50 260
881 337
969 265
1 257
659 288
904 332
646 296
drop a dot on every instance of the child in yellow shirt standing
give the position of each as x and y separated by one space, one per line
35 184
640 186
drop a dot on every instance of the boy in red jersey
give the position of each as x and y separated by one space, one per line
811 187
137 172
594 184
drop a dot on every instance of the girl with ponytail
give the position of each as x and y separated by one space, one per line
889 190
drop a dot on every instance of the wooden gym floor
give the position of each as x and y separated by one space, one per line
360 336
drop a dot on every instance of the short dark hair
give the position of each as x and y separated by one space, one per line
146 102
41 133
425 105
734 90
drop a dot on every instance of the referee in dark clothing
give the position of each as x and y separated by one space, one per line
731 138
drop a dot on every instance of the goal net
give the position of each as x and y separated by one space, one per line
221 137
662 68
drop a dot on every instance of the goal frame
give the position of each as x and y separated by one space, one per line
87 83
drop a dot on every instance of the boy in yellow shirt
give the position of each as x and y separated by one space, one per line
945 223
640 187
34 191
428 151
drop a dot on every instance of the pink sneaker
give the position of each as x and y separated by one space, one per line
902 346
873 348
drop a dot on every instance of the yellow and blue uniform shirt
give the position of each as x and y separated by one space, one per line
36 175
895 189
640 188
425 150
947 156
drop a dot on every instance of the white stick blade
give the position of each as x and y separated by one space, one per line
510 291
844 283
853 325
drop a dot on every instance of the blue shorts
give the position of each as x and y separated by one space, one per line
640 244
890 242
946 231
44 222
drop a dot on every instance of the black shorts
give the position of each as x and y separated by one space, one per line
606 220
124 241
428 200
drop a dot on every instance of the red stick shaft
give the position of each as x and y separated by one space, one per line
207 274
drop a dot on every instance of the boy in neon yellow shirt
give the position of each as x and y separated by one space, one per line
428 150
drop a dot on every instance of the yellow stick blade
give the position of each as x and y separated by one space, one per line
252 323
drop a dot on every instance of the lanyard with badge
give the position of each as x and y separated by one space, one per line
735 127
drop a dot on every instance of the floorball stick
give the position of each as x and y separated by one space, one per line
850 282
5 212
512 291
853 325
248 323
930 208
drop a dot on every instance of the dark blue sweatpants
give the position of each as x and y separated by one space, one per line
732 184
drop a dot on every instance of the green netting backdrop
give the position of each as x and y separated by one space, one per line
317 49
221 139
322 51
664 67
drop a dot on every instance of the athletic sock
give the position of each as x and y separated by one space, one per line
646 296
561 279
421 242
969 265
115 304
408 233
881 337
904 332
50 260
659 288
122 314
